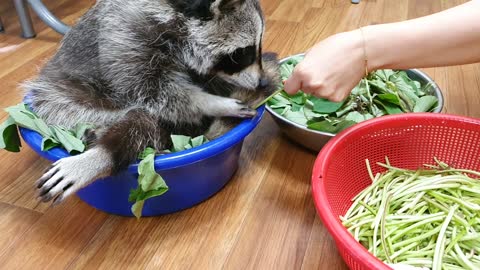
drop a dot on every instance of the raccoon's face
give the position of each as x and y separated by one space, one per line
225 39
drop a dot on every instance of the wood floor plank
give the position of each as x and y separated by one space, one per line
22 192
56 238
321 251
279 37
14 222
317 25
276 232
299 8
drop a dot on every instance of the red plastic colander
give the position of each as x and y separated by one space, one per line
409 141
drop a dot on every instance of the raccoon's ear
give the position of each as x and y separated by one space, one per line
200 9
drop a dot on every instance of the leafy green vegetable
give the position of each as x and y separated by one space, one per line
287 68
428 217
425 104
392 98
9 139
181 143
49 143
150 183
380 93
358 117
321 105
53 136
67 139
389 108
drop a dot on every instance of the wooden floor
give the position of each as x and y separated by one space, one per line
263 219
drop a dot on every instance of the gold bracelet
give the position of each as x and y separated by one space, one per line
364 51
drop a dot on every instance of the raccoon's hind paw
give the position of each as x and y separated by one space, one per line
68 175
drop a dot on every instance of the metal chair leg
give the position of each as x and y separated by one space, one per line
47 17
25 19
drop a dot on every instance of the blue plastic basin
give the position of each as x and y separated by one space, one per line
192 176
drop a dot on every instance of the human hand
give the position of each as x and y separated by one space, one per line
330 69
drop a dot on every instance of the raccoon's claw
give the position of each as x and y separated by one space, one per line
62 179
247 112
244 111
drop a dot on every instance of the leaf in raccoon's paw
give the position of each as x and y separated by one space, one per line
9 138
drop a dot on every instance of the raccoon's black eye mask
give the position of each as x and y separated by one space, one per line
235 62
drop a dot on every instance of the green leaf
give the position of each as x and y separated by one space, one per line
148 151
285 110
150 183
67 140
392 98
389 108
425 104
137 209
321 105
358 117
379 86
406 102
179 142
310 114
347 108
298 98
296 107
9 139
279 100
26 119
324 126
49 143
297 117
385 74
279 110
197 141
148 178
288 66
344 125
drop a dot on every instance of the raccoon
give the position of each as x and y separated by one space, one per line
143 70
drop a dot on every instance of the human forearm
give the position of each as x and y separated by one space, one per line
451 37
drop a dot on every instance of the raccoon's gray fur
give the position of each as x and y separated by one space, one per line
142 70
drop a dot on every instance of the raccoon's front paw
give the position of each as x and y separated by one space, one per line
60 180
70 174
236 108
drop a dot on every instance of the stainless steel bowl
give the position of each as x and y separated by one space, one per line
315 140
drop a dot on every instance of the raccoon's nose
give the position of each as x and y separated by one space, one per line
263 83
